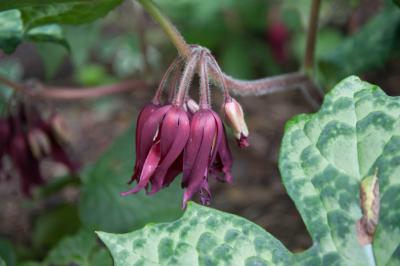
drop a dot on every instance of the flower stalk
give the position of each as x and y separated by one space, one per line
311 37
269 85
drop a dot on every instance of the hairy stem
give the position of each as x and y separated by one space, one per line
219 75
68 93
311 37
169 29
186 79
171 68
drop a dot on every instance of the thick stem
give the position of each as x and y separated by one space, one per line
267 85
172 33
311 37
11 84
67 93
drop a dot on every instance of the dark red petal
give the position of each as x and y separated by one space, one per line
193 145
150 165
149 130
223 161
174 170
142 118
148 127
219 135
193 178
175 131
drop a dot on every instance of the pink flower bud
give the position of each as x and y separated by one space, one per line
235 118
192 106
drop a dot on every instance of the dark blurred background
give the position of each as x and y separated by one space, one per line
250 39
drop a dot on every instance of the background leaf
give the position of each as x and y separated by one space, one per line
76 12
102 208
324 156
7 253
11 4
11 69
38 20
367 49
11 30
47 33
53 225
80 249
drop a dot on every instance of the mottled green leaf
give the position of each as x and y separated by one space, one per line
203 236
367 49
101 206
324 157
2 263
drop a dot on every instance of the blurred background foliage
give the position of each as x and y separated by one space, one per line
250 39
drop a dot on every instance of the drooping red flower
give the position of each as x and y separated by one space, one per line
206 132
186 136
160 140
142 118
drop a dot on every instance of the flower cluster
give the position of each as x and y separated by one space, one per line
183 136
26 138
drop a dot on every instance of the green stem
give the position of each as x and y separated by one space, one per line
172 33
311 37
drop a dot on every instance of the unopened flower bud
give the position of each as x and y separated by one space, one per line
59 129
235 118
192 106
39 144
